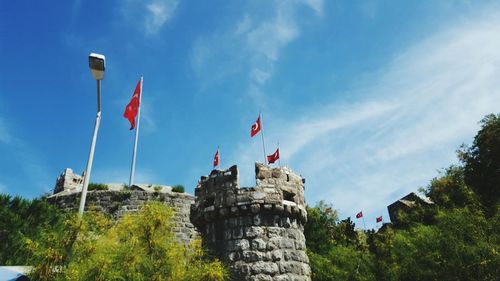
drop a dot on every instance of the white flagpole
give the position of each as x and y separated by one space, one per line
279 159
262 134
132 171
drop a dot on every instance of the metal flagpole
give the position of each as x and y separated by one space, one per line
279 159
364 224
263 145
132 171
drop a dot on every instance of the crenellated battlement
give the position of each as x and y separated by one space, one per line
257 230
278 190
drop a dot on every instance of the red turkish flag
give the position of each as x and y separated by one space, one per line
359 215
133 106
216 158
379 219
273 157
255 127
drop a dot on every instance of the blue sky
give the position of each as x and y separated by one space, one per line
368 99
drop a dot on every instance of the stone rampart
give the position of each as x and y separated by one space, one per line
258 231
117 203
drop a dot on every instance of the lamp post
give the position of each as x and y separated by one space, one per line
96 63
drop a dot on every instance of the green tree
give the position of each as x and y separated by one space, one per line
336 250
450 191
139 246
482 163
22 219
461 245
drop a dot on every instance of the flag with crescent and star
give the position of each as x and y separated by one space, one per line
359 215
216 158
133 106
273 157
255 127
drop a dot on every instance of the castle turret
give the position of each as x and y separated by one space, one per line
258 231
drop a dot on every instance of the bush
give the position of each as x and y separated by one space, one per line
97 186
157 188
178 188
22 219
140 246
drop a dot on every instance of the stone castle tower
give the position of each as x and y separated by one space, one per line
258 231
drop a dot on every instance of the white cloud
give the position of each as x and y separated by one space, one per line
151 15
316 5
255 44
427 102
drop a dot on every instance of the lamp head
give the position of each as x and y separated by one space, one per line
97 65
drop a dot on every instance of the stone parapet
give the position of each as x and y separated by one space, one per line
117 203
258 231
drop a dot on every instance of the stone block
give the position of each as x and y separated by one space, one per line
283 277
277 255
273 244
273 232
253 256
290 267
300 244
258 244
261 267
234 256
254 231
287 243
260 277
241 244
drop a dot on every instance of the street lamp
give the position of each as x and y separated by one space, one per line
96 64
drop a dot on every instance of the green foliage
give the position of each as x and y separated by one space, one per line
336 250
450 191
22 219
457 238
157 188
482 163
140 246
178 188
97 186
461 245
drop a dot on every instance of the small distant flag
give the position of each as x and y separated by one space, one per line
216 158
255 127
359 215
133 106
379 219
273 157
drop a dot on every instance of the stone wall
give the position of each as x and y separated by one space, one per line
258 231
117 203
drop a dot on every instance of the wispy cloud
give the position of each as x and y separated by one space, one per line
423 105
151 15
255 44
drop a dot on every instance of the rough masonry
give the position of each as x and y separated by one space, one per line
118 202
258 231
